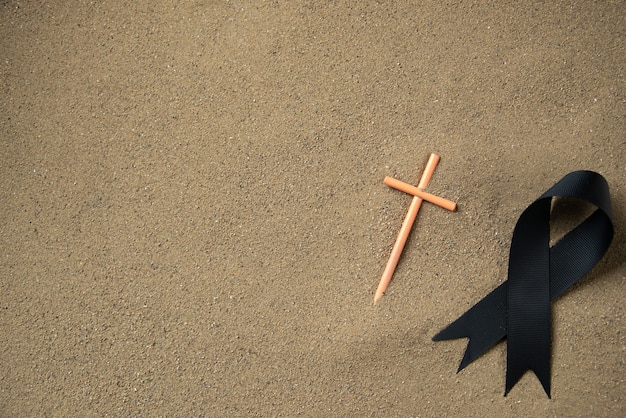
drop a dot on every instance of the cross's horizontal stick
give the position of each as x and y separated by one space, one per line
416 191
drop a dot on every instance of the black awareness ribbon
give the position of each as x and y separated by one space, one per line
519 309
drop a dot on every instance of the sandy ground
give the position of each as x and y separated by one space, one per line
194 220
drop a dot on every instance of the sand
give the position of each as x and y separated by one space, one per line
194 220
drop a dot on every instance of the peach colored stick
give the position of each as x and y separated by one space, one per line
405 228
415 191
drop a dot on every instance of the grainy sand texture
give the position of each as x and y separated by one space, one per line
194 220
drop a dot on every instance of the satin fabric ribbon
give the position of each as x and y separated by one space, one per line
519 309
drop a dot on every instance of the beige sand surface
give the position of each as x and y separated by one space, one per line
194 220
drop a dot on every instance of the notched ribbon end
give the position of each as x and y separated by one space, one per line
546 389
542 375
474 349
454 332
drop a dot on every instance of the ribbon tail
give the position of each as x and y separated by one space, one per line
484 324
541 369
528 298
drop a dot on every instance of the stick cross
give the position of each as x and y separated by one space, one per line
418 196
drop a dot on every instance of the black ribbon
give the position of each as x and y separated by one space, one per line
519 309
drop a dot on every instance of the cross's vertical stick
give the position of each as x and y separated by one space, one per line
405 229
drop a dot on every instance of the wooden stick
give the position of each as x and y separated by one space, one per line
405 229
415 191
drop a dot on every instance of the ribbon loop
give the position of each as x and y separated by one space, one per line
519 309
